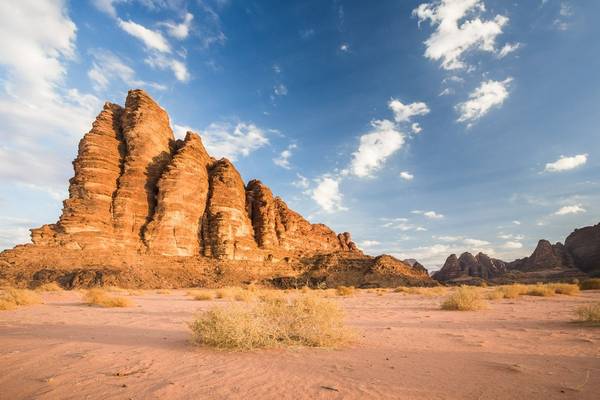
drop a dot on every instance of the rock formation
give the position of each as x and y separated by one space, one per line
584 247
142 203
579 255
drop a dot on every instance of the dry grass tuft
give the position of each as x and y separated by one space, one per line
303 321
541 290
244 295
495 294
100 297
201 295
423 291
590 284
589 314
163 291
465 298
6 304
345 290
135 292
568 289
21 297
513 291
49 287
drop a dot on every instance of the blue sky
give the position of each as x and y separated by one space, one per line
422 127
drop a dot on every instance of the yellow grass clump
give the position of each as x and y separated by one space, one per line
345 290
568 289
100 297
163 291
435 291
465 298
7 304
590 284
49 287
513 291
21 297
589 314
495 294
200 295
540 290
300 321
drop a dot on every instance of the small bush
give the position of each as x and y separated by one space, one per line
568 289
225 293
464 299
49 287
203 296
590 284
589 314
99 297
7 304
495 294
423 291
21 297
513 291
541 290
304 320
345 290
243 295
163 291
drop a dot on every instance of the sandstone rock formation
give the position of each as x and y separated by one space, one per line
545 256
142 203
469 266
584 247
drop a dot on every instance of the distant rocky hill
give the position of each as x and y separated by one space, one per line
577 258
147 210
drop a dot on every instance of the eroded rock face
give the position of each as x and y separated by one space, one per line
181 202
138 195
469 266
546 256
148 140
584 247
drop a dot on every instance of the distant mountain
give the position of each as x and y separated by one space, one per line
580 255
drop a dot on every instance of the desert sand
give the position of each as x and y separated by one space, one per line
406 348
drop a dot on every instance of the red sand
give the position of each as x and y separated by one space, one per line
407 349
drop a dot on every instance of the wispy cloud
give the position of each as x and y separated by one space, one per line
572 209
488 95
566 163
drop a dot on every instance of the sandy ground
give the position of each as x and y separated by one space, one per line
407 348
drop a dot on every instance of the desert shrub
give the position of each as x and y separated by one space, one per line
590 284
568 289
422 291
100 297
345 290
163 291
21 297
465 298
540 290
589 313
225 293
513 291
135 292
271 295
243 295
49 287
201 295
115 289
303 320
495 294
7 304
305 289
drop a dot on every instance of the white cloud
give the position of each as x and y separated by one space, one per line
182 30
108 67
459 29
344 47
301 182
280 90
327 194
41 119
448 238
284 157
152 39
512 245
369 243
106 6
162 62
416 128
375 147
573 209
566 163
508 236
227 140
403 225
404 112
428 214
488 95
475 242
516 222
507 49
407 176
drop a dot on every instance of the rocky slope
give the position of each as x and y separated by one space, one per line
145 209
580 255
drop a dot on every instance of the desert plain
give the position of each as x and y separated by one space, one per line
404 347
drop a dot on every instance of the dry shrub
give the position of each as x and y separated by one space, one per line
422 291
540 290
305 289
271 295
49 287
225 293
513 291
200 295
21 297
345 290
568 289
163 291
243 295
590 284
465 298
115 289
495 294
7 304
303 321
589 314
135 292
100 297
